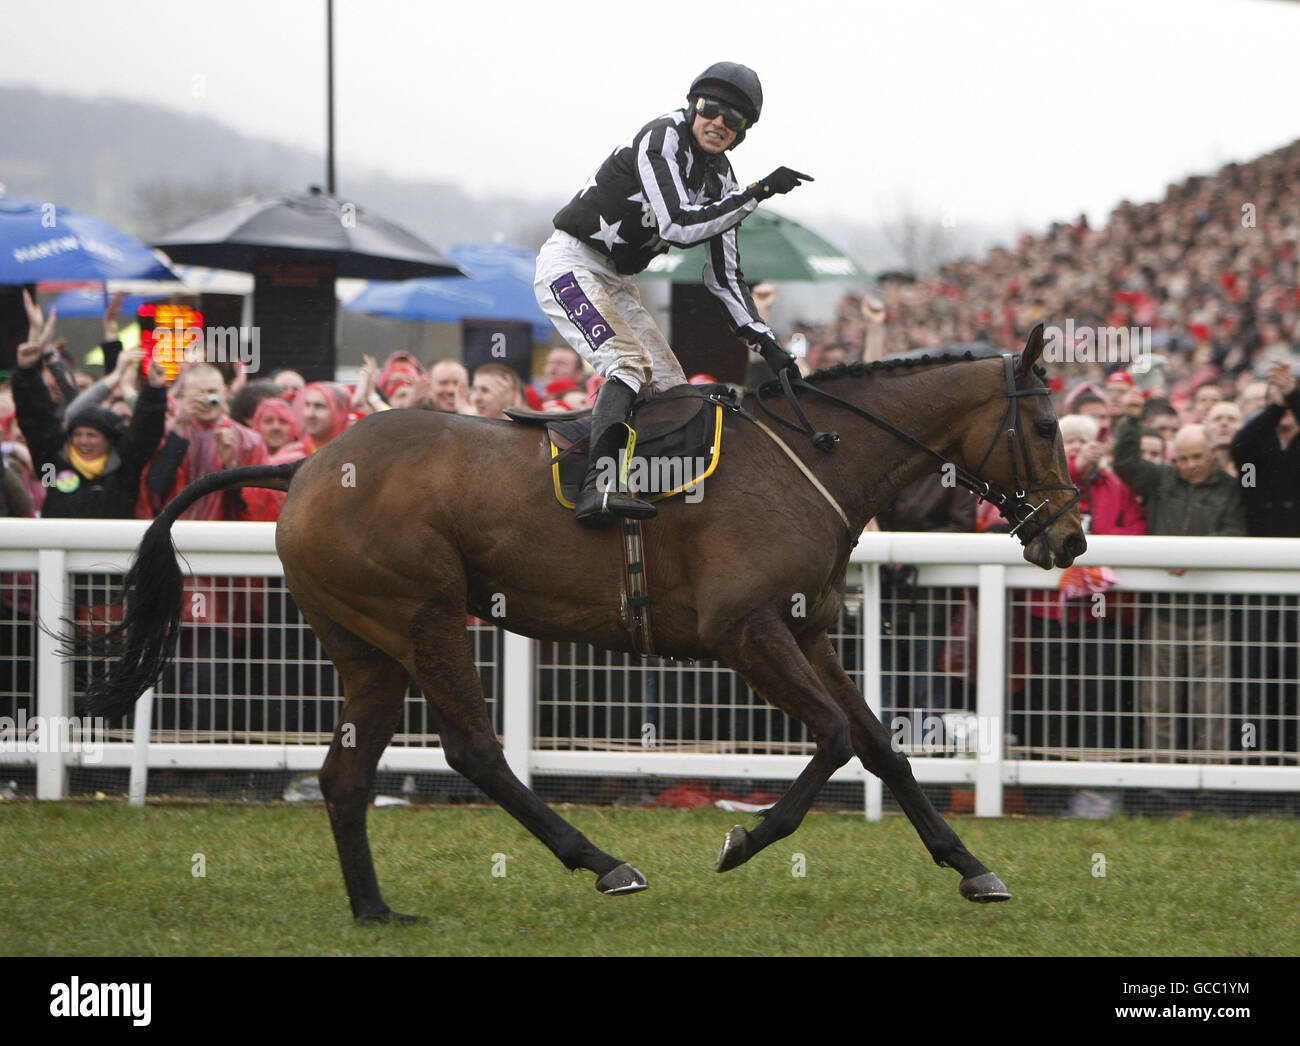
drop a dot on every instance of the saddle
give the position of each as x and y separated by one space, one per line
678 443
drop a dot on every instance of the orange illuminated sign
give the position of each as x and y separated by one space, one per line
167 331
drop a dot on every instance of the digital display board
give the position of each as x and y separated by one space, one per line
166 331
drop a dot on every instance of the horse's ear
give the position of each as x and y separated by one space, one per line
1033 350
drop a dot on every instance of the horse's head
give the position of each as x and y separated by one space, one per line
995 435
1014 446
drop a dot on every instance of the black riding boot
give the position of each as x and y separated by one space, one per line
601 502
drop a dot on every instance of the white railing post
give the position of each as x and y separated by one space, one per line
140 728
990 701
518 657
53 677
873 666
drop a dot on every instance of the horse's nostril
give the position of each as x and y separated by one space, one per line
1076 545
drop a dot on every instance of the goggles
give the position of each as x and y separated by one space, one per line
711 108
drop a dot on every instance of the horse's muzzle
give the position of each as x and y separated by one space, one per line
1074 546
1047 552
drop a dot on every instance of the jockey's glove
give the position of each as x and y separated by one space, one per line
770 349
782 180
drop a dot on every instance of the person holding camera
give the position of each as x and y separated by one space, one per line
205 440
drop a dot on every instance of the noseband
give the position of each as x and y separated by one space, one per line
1016 508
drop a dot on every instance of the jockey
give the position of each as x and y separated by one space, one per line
670 185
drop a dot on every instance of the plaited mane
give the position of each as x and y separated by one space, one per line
904 361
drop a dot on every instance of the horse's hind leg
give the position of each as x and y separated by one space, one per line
374 688
445 672
873 746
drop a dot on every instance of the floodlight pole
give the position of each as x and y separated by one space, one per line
329 96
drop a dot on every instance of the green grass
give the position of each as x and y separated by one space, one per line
107 879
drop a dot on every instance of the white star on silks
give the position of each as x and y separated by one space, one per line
637 197
608 233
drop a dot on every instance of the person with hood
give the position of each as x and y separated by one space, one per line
321 411
670 185
216 610
90 466
274 421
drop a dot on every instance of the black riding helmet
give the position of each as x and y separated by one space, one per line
735 84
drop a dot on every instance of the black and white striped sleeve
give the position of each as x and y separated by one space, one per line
681 223
723 279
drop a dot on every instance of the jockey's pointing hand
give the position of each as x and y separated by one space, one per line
782 180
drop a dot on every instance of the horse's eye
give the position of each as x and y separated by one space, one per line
1046 429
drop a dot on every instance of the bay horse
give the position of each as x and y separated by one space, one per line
405 523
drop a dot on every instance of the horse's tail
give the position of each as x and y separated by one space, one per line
152 593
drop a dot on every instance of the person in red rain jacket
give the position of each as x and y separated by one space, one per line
1077 663
321 411
215 443
1106 503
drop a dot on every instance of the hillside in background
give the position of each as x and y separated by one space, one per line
150 170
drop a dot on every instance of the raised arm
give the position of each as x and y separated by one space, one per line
681 223
1139 476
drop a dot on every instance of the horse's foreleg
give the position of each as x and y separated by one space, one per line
766 654
878 754
446 673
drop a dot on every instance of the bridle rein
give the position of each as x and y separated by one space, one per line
1016 508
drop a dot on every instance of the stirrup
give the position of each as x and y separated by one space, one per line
601 508
597 508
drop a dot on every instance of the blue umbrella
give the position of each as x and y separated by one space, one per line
89 302
499 287
40 241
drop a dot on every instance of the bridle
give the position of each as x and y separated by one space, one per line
1016 508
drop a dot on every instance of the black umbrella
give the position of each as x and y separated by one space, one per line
306 227
296 246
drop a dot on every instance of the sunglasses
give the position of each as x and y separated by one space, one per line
711 108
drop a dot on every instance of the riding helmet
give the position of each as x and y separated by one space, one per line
735 84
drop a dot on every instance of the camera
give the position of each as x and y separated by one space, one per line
210 399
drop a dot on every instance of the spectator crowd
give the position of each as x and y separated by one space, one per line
1194 435
1197 438
123 445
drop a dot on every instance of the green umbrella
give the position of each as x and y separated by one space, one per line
771 248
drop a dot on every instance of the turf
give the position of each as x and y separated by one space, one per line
106 879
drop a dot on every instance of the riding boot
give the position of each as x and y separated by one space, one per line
601 502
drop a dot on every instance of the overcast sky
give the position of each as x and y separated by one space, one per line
984 112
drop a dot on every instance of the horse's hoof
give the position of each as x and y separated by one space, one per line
623 879
388 916
985 888
735 849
